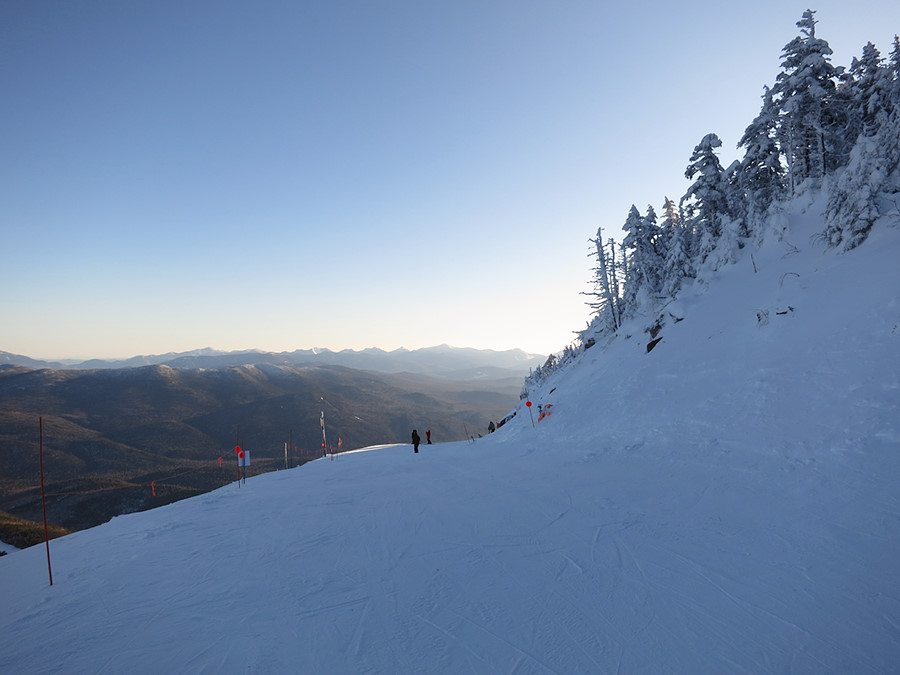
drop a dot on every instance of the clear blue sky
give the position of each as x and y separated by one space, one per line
280 174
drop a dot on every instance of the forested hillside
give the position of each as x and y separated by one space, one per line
823 129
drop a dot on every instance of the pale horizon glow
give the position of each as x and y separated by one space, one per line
279 176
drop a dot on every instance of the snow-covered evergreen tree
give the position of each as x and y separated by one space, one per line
633 276
888 141
705 204
893 78
811 122
643 266
868 92
671 218
655 253
872 176
760 176
678 265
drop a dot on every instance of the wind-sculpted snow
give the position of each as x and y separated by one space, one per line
726 503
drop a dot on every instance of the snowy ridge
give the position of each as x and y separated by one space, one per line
724 503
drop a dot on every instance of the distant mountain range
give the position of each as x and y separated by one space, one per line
127 435
442 361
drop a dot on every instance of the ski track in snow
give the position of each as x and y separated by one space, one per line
612 574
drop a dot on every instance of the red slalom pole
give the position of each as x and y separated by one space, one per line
43 496
528 405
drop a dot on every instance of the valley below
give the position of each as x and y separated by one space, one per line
120 440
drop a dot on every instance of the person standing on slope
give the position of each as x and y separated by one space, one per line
416 440
428 437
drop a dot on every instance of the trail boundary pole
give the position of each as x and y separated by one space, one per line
43 495
237 451
244 459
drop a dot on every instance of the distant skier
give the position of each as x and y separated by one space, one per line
416 440
428 437
491 427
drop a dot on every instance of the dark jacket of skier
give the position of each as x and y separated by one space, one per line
416 440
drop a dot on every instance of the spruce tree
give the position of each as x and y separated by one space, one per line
671 218
868 91
893 79
760 174
677 266
873 173
810 122
871 177
654 251
705 205
634 273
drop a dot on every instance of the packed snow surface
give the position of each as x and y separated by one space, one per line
726 503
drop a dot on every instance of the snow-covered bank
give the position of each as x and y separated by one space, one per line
725 503
6 548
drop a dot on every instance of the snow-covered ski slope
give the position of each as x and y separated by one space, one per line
727 503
